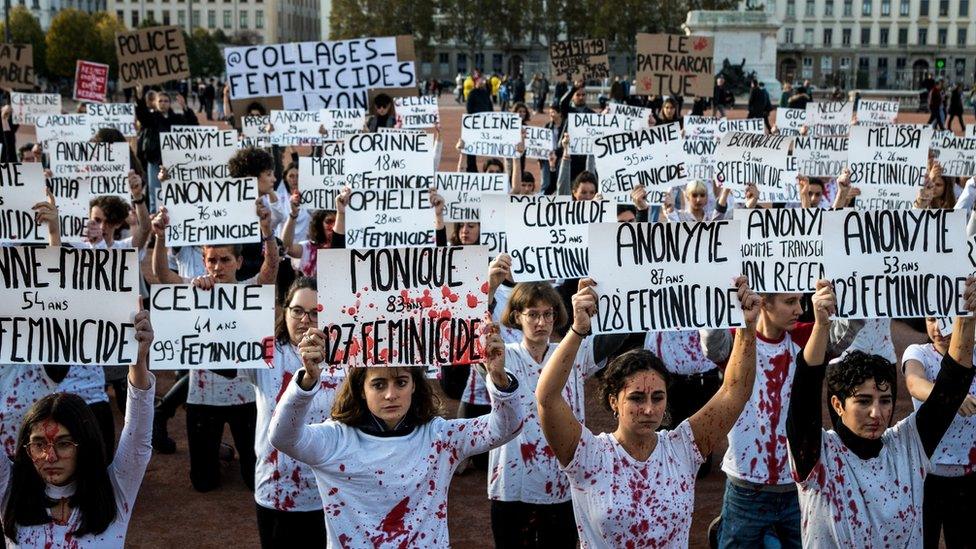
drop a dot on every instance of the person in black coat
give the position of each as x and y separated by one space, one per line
758 103
574 101
154 122
479 100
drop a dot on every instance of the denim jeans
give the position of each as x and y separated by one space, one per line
152 186
753 518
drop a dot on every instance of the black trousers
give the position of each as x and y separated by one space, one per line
204 430
948 507
518 524
687 395
106 424
288 529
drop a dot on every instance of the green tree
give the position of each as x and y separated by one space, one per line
72 36
465 21
106 26
358 18
511 25
204 54
25 29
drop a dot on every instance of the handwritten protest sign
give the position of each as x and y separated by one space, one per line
386 218
970 131
216 211
64 305
403 307
91 81
788 193
671 64
341 123
73 195
665 276
62 127
547 238
228 327
491 134
585 128
539 142
876 113
320 178
896 263
821 156
700 157
105 166
653 157
198 155
120 116
153 55
493 235
631 111
790 121
419 112
579 59
321 75
957 155
296 127
888 164
21 187
462 192
781 248
26 107
741 125
17 67
829 117
744 158
701 126
389 160
255 131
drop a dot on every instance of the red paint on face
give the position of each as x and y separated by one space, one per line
51 429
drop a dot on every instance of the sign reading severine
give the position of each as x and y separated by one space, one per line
68 305
230 326
781 248
665 276
897 263
403 307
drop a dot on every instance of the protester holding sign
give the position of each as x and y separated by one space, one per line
155 119
61 488
385 458
8 145
861 483
327 231
636 485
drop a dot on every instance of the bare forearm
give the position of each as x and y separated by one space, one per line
160 264
556 372
961 344
815 351
269 268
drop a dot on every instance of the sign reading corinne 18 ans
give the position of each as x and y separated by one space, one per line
897 263
385 218
781 248
547 238
230 326
675 65
579 59
63 305
888 164
654 158
215 211
491 134
21 187
403 306
154 55
665 276
395 160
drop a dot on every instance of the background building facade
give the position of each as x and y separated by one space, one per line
45 10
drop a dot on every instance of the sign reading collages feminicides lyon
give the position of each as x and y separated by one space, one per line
653 157
957 155
744 158
781 248
320 178
547 238
579 59
585 128
462 193
198 155
64 305
389 160
491 134
821 156
230 326
214 211
665 276
21 187
403 306
26 107
675 65
897 263
417 113
888 164
385 218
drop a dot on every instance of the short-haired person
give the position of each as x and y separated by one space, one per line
861 484
384 462
62 489
384 113
635 487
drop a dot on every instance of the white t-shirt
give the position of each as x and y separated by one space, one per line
126 472
386 492
956 454
847 501
187 262
526 469
21 386
680 351
757 442
86 381
475 391
280 482
210 389
875 339
622 502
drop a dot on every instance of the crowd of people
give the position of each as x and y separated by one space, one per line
365 457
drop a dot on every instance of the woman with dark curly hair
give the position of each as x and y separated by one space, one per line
636 486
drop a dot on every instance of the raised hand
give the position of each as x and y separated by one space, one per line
824 302
312 350
584 306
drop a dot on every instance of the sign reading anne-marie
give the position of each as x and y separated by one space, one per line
584 59
665 276
897 263
675 65
403 306
64 305
154 55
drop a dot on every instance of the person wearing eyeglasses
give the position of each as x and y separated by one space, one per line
60 490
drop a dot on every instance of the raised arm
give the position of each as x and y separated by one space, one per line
562 182
47 212
269 267
560 427
712 422
160 261
140 233
288 233
437 201
968 195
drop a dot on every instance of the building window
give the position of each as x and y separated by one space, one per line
120 15
943 8
462 62
243 21
211 19
848 8
195 19
845 37
828 37
790 8
885 7
807 71
902 37
808 37
479 61
865 7
963 8
883 37
181 18
923 37
443 58
866 36
904 8
943 37
923 8
882 72
135 18
227 19
811 8
788 36
166 16
829 8
960 37
259 19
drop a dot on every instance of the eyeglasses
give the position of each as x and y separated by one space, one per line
41 450
535 317
299 313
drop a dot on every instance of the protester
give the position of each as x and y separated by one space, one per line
156 118
327 229
384 113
